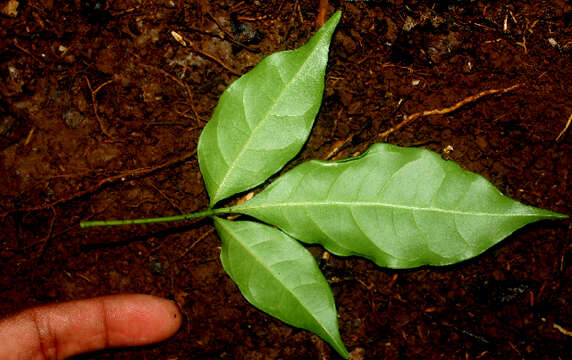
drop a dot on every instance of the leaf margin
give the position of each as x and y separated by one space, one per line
254 209
209 165
229 232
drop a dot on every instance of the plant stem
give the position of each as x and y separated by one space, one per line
208 212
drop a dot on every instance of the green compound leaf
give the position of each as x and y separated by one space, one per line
399 207
263 119
279 276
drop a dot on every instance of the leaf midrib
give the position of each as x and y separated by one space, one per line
242 208
263 120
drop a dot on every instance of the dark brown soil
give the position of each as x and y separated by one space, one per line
101 109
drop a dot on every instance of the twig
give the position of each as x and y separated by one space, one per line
26 51
230 37
202 237
29 137
182 41
169 200
175 79
184 114
215 59
167 123
515 349
46 238
267 15
50 231
123 176
101 86
410 118
339 146
297 7
342 144
94 103
456 329
565 128
322 8
562 330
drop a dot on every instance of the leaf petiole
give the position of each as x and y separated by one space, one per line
195 215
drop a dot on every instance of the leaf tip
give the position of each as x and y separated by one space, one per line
337 15
560 216
547 214
343 352
333 21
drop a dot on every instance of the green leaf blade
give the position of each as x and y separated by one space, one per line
263 119
399 207
280 277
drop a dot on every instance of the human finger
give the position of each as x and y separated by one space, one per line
61 330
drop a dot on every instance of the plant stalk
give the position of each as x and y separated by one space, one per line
195 215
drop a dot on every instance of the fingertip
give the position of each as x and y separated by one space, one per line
140 319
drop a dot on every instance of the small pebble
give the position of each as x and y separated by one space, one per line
73 118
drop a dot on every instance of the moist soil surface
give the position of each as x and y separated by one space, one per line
102 104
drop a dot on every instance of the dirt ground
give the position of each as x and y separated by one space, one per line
101 107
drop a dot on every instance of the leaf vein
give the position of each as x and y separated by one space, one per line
372 204
295 296
259 124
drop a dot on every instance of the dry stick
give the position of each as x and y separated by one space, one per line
339 146
215 59
169 200
183 115
101 86
561 329
50 232
410 118
27 52
129 174
267 15
297 7
175 79
202 237
565 128
94 103
210 57
230 37
322 8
